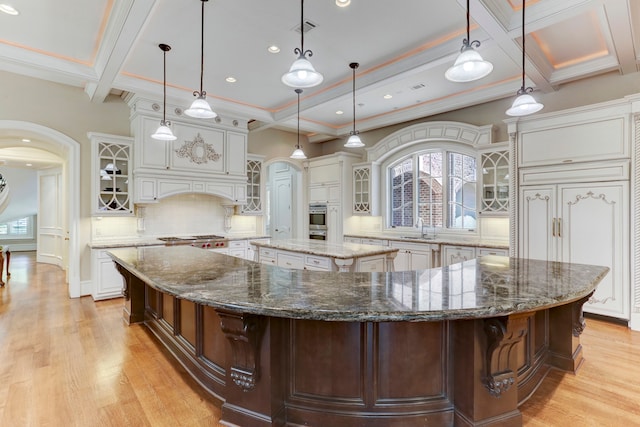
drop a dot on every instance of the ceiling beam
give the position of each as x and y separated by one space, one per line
125 24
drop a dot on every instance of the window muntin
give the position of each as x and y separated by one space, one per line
418 190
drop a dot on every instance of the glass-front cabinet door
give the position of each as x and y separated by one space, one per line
361 190
495 181
111 174
254 189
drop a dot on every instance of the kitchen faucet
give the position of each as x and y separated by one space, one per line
425 234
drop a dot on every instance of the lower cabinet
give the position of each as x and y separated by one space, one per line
371 264
290 260
106 280
455 254
412 256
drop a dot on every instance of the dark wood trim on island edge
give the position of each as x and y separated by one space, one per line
270 371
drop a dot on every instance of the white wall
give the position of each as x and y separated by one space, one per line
23 190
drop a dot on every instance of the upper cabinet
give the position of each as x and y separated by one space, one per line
208 156
494 178
111 174
254 186
366 187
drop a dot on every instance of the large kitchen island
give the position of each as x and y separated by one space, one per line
461 345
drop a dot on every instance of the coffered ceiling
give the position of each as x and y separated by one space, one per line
404 48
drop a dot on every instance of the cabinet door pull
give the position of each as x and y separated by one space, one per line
553 228
559 227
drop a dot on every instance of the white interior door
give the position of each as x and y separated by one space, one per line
281 207
51 240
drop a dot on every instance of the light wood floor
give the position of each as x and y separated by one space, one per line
72 362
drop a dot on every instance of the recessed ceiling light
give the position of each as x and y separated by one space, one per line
343 3
339 112
273 49
9 10
388 96
26 140
29 164
231 79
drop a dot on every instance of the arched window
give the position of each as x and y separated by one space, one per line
435 187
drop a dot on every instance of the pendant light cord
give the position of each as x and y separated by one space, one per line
298 91
468 34
202 48
523 41
301 29
164 86
354 100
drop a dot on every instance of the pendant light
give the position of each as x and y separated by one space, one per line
298 153
200 108
524 104
469 65
163 133
354 140
302 74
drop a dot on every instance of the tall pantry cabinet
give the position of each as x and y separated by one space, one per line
573 199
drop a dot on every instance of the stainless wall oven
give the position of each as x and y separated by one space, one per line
317 217
318 234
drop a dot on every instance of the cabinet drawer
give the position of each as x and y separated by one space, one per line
491 251
290 261
237 244
378 242
317 262
267 253
353 240
371 264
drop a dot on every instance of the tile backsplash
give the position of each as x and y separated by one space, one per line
181 215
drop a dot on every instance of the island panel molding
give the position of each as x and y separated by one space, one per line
239 328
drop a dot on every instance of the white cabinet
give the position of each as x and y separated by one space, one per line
253 206
317 263
106 280
352 239
267 256
494 179
412 256
371 264
366 188
334 223
492 251
379 242
324 193
454 254
584 223
330 182
290 260
111 174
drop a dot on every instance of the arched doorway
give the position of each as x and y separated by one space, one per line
51 140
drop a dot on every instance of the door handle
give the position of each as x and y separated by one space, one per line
553 228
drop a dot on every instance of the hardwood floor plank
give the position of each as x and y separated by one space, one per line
72 362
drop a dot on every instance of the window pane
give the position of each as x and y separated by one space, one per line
20 226
4 229
462 191
430 189
402 194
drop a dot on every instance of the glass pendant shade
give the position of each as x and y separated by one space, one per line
298 154
200 109
469 66
302 74
354 141
524 105
163 133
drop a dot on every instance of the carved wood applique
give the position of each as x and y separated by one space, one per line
198 151
578 316
503 334
244 332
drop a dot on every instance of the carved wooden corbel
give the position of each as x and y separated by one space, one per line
578 316
503 334
244 332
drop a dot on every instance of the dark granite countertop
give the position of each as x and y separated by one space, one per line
484 287
322 248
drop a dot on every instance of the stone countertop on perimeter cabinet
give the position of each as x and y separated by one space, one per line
344 250
484 287
438 240
135 242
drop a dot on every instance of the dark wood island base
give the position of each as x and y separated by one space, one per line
273 371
